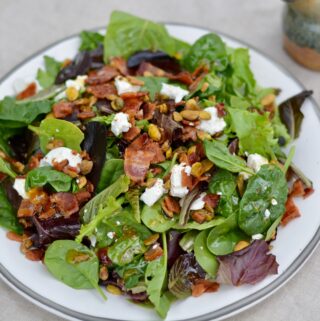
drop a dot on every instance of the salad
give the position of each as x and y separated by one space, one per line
149 167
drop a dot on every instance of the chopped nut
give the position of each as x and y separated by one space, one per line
103 273
66 63
192 150
154 132
169 153
191 104
204 115
163 108
167 184
268 100
206 165
55 143
203 135
72 93
34 255
82 182
177 117
165 146
153 253
70 171
241 245
86 167
204 87
190 114
49 116
117 104
196 169
113 289
170 206
151 239
150 182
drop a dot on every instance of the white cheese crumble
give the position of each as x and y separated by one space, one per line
199 203
123 86
254 161
257 236
19 185
78 83
152 194
59 154
274 202
267 213
213 125
93 240
177 190
173 92
120 124
111 235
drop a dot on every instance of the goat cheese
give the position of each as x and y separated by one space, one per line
199 203
214 125
177 190
267 213
78 83
19 186
154 193
257 236
173 92
254 161
274 202
120 124
123 86
59 154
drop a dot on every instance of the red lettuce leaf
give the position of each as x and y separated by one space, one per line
248 266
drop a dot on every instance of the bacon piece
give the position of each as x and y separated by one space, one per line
221 111
47 213
34 255
83 196
62 109
102 91
28 92
34 160
153 253
171 204
120 64
14 237
186 180
139 155
131 106
299 189
66 202
148 110
212 200
86 114
134 95
197 81
131 134
26 209
189 133
291 212
183 76
201 286
102 76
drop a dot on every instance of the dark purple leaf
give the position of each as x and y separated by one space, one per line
186 203
248 266
174 249
13 197
104 107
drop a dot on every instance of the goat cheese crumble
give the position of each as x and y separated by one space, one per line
123 86
19 185
213 125
173 92
152 194
59 154
177 190
120 124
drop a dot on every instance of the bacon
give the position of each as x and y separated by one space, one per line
34 255
221 111
139 155
47 213
131 106
14 237
86 114
212 200
82 196
26 209
134 95
131 134
148 110
34 160
197 81
186 180
189 133
183 76
28 92
171 204
62 109
291 212
102 91
66 202
299 189
102 76
201 286
120 64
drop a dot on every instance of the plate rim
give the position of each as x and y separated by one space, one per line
222 313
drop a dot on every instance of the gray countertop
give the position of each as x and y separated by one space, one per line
27 26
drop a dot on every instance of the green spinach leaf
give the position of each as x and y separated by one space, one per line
6 169
52 128
90 40
256 210
200 226
42 176
46 78
153 85
133 197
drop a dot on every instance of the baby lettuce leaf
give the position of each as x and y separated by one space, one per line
248 266
290 112
47 77
133 197
199 226
153 85
5 134
42 176
8 217
73 264
224 183
15 114
90 210
219 154
254 131
52 128
127 34
187 241
269 183
154 218
90 40
203 256
209 50
6 169
155 278
111 171
124 250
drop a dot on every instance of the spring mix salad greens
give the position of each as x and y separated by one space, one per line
148 166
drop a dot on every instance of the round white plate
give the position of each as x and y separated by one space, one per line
293 246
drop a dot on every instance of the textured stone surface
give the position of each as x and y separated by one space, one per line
27 26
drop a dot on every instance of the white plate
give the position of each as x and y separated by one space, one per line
293 246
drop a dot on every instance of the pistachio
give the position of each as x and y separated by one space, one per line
167 184
82 181
177 117
203 135
241 245
206 165
196 169
163 108
190 114
192 150
103 273
151 239
86 166
150 182
153 253
113 289
268 100
49 116
204 87
191 104
154 132
169 153
72 93
204 115
165 146
117 104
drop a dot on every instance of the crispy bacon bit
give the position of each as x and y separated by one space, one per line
148 110
102 76
102 91
131 106
299 189
59 166
197 81
38 196
34 255
62 109
82 196
308 191
199 216
201 286
131 134
47 213
26 209
66 202
134 95
189 133
212 200
183 76
120 64
291 212
28 92
139 155
186 180
14 237
221 111
170 206
147 69
154 252
86 114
